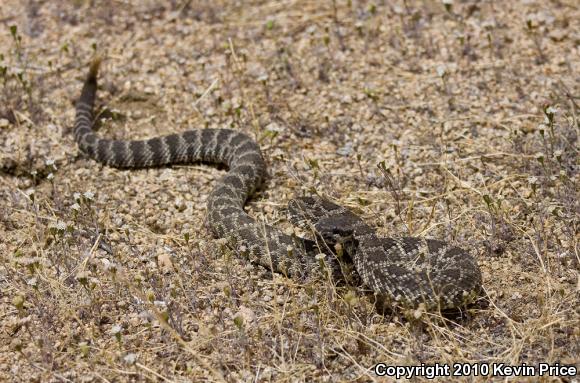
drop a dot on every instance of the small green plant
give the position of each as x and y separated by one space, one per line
116 331
532 31
16 81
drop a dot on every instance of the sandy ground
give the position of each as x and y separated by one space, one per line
455 120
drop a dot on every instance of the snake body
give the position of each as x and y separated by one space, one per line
408 271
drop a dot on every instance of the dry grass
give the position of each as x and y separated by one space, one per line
122 282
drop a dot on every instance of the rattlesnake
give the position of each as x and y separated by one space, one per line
405 271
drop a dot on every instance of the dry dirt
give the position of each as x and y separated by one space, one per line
455 120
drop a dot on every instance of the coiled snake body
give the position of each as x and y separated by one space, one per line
405 271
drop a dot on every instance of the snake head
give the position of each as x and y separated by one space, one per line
332 222
311 209
335 229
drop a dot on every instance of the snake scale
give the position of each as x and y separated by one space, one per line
403 271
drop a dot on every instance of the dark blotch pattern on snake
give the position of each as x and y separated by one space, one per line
405 271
